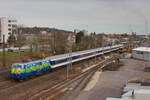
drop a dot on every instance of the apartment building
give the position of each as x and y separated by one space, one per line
7 27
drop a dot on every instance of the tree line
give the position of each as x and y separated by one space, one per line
54 43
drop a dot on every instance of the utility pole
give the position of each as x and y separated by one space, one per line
69 66
95 45
54 42
102 44
146 30
131 38
4 60
31 49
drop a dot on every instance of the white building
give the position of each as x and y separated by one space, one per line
86 33
142 53
7 25
76 31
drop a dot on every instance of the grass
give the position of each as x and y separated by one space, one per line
16 57
12 57
12 54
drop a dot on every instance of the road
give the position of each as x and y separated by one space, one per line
110 83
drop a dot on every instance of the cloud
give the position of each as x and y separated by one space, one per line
98 15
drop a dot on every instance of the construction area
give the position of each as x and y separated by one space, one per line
74 50
100 78
104 79
49 84
111 83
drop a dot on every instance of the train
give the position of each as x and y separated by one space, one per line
24 70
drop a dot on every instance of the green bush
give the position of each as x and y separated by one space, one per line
38 55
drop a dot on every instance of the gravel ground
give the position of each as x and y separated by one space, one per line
11 90
110 83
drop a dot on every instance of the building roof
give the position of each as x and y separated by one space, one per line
142 91
144 49
136 91
109 98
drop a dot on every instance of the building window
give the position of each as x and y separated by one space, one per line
9 33
14 25
9 29
9 25
13 20
9 21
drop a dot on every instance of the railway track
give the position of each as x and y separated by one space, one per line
29 88
6 84
4 70
5 80
59 88
55 90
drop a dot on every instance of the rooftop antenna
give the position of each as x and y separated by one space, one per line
146 29
130 28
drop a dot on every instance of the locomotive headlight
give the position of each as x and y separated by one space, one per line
13 71
18 71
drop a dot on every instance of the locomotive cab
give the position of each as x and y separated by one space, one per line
23 70
17 71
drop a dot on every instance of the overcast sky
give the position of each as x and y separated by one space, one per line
111 16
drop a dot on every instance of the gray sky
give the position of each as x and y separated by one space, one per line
110 16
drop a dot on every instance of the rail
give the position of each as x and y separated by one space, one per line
53 91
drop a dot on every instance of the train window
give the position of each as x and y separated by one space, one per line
30 65
43 62
27 66
17 66
60 61
139 52
74 57
38 64
47 62
52 62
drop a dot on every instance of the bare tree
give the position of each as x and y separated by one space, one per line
60 42
20 39
99 40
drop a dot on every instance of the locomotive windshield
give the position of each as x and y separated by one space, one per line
17 66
